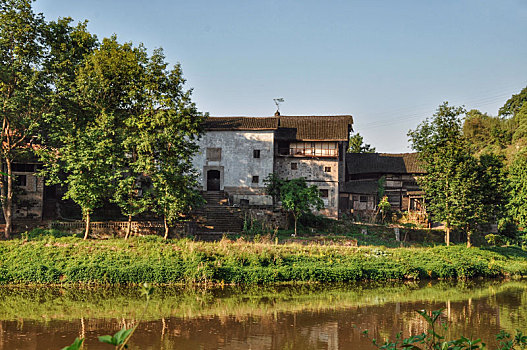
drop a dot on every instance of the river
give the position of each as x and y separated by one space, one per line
288 317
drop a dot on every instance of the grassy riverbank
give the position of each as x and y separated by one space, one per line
46 259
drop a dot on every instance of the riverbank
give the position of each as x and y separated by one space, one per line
50 260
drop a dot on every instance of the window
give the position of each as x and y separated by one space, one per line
20 180
256 153
327 169
213 154
256 179
363 199
294 166
324 193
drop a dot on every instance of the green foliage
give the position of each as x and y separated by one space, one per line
431 339
298 198
24 89
77 344
521 119
514 104
71 260
118 339
484 132
357 145
493 239
517 204
272 186
460 190
384 207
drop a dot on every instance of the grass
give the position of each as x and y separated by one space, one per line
44 257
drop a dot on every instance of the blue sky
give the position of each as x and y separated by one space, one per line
387 63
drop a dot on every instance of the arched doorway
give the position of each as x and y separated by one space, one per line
213 180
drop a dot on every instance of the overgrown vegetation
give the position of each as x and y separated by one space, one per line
46 259
109 121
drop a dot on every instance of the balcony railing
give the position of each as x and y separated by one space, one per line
308 152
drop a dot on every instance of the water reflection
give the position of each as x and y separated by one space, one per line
285 317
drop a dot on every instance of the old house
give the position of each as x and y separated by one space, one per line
28 191
314 147
238 153
396 174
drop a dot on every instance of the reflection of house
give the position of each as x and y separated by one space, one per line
238 153
396 173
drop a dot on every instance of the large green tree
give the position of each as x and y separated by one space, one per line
23 89
460 190
296 196
168 128
133 135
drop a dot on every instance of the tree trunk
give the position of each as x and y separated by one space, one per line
129 227
295 225
87 231
469 241
447 235
167 229
7 202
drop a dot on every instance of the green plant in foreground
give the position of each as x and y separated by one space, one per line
433 340
119 339
77 344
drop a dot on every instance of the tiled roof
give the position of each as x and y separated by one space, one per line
360 187
308 128
383 163
318 128
241 123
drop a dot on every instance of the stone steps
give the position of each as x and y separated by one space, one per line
217 217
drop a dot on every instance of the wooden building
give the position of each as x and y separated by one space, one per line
396 173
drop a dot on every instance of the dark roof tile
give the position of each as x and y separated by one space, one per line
308 128
318 128
241 123
383 163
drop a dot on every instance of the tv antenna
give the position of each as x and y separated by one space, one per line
277 102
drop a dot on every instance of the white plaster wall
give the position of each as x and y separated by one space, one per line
237 160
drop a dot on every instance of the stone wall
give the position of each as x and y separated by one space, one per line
314 170
269 217
29 196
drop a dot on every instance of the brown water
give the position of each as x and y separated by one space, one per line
285 317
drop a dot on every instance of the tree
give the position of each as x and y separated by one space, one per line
357 145
513 104
162 138
296 196
23 89
517 205
460 190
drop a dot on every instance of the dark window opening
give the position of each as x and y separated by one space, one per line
324 193
363 199
256 179
256 153
21 180
294 166
327 169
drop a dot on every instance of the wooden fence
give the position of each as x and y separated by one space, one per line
111 227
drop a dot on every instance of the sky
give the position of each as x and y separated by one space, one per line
389 64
